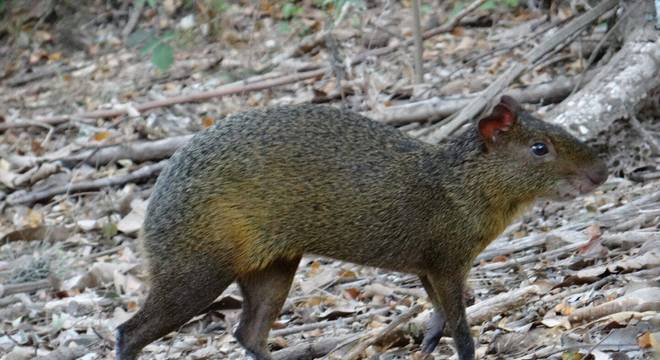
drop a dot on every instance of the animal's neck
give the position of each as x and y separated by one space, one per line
478 189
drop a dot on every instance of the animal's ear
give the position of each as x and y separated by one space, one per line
504 115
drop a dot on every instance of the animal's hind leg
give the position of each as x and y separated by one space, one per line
264 293
175 297
437 322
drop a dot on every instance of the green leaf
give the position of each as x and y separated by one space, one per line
150 45
219 5
283 27
426 9
488 5
138 37
512 3
162 56
290 10
152 3
167 36
109 230
457 8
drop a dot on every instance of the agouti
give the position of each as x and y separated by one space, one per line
245 199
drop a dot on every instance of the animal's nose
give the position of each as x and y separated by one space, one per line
598 174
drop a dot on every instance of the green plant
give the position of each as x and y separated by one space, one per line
512 3
151 3
219 5
492 4
160 48
290 10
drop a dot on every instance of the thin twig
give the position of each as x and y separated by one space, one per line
596 50
419 48
132 21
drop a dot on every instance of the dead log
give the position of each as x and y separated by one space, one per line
142 174
313 349
137 151
627 79
437 108
494 89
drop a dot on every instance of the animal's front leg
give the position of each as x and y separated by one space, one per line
449 290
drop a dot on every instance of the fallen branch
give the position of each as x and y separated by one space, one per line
437 108
65 353
324 324
500 303
646 299
313 349
133 19
137 151
144 173
373 338
11 289
627 79
477 105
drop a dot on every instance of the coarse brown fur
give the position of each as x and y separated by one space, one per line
245 199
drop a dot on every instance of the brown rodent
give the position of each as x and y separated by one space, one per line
245 199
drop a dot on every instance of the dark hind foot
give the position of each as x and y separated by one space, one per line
264 292
121 350
173 300
434 333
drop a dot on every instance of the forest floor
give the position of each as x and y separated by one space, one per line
570 280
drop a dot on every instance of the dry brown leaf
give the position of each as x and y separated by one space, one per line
207 121
347 274
564 309
594 247
101 135
56 56
571 356
645 340
314 267
352 293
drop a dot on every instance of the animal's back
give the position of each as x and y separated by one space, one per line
285 180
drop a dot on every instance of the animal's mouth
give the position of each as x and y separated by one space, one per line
571 188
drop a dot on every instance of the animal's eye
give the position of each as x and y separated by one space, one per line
539 149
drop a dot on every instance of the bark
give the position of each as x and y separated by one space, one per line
626 80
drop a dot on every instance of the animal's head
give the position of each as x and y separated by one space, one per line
541 159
